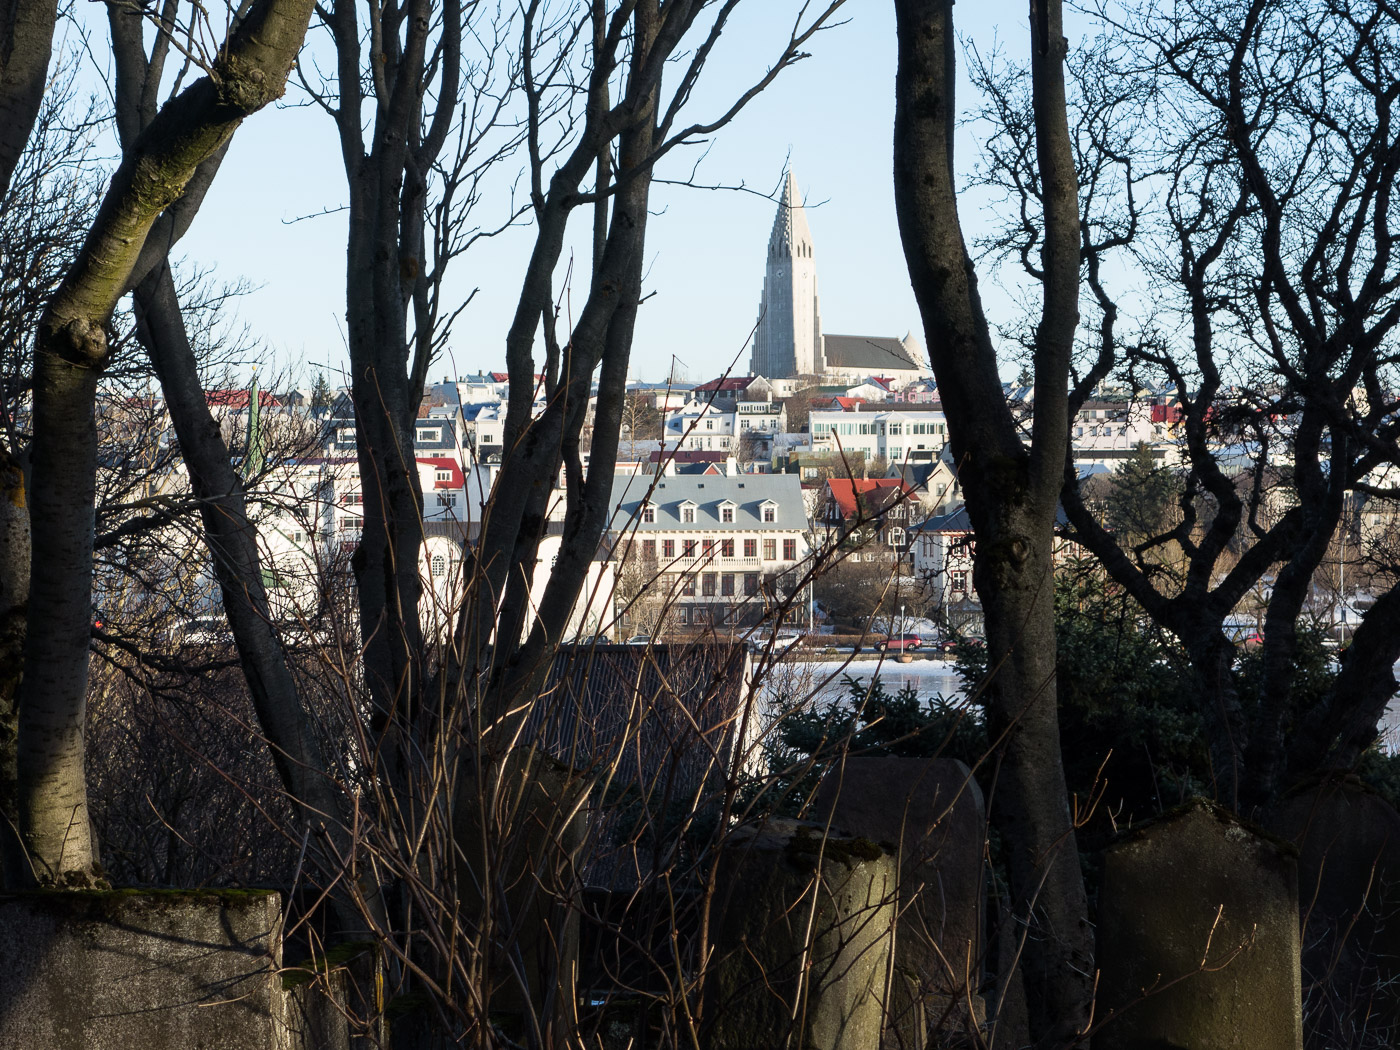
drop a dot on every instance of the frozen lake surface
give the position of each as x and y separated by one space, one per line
824 681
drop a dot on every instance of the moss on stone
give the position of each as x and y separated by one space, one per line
808 845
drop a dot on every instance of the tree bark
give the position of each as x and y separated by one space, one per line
70 355
1011 492
26 44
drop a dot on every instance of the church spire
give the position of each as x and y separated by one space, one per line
791 236
788 338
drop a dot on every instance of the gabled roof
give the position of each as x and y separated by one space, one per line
688 456
725 385
457 480
881 491
867 351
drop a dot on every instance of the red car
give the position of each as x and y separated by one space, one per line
900 643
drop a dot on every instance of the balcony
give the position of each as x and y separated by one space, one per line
710 563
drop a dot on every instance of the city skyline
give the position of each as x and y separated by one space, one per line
705 248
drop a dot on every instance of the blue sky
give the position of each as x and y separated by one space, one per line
832 114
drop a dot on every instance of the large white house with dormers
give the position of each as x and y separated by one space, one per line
714 550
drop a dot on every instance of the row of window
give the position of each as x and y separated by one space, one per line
723 548
726 514
719 584
893 429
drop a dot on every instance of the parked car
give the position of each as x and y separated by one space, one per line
639 639
899 643
951 643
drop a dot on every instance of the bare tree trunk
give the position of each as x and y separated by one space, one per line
70 355
26 43
14 608
1011 492
232 542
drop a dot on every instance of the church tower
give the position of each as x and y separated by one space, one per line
788 341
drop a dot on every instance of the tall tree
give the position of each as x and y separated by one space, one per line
228 534
248 72
1269 337
1011 489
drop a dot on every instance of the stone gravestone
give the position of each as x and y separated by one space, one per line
528 873
150 971
1198 938
1348 841
802 937
930 814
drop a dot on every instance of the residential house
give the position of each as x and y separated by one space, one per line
707 550
868 516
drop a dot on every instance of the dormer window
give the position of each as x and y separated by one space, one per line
649 514
770 511
688 513
726 512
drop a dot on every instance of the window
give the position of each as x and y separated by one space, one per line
709 584
896 537
649 550
959 580
789 550
726 585
770 550
443 475
427 433
750 584
688 514
726 548
668 548
349 524
439 565
726 514
690 548
751 548
352 499
447 499
649 515
770 512
709 546
709 424
688 586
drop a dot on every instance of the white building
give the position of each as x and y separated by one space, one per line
891 434
714 550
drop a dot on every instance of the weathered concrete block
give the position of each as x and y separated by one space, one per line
930 814
803 924
1348 841
1198 938
520 829
140 970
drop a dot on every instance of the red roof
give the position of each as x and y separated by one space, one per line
458 479
239 399
845 491
725 385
